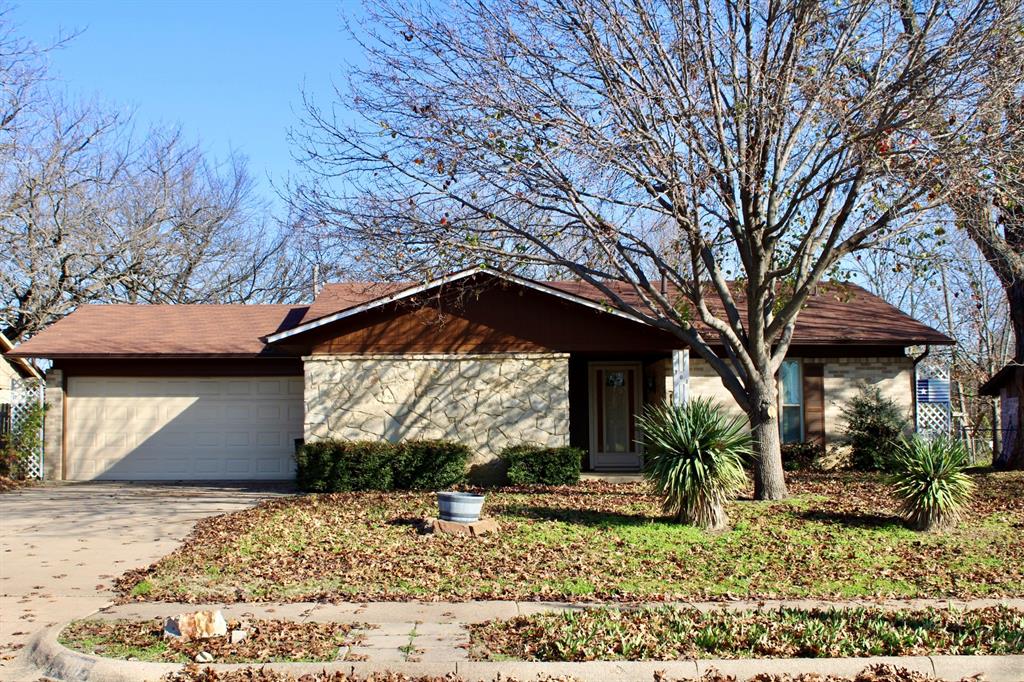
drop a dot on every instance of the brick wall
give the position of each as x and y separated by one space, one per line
53 426
843 379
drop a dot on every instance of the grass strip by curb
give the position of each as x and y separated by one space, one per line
669 633
267 641
874 673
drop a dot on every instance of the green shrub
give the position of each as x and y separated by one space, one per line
801 456
536 465
694 458
874 426
327 466
22 442
930 482
430 464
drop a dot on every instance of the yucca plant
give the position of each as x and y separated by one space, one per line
695 459
929 479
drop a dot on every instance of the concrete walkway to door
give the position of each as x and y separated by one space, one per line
62 544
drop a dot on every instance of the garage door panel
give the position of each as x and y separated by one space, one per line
182 428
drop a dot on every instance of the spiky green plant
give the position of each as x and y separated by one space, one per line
929 479
695 459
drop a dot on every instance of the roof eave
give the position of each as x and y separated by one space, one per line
25 368
154 356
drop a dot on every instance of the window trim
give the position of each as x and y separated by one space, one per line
783 405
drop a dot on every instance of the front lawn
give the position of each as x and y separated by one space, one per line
837 537
670 634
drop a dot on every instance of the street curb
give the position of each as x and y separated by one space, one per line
60 663
52 659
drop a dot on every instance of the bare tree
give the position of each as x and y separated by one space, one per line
737 150
194 232
91 213
981 169
939 276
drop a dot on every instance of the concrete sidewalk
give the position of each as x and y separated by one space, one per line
437 631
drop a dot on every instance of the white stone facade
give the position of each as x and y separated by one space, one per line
486 401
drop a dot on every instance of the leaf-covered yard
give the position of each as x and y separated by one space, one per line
668 633
836 537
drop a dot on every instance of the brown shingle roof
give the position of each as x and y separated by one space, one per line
837 315
148 330
340 296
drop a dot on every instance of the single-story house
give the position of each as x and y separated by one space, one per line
481 356
13 370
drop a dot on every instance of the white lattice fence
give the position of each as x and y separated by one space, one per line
933 419
934 415
27 395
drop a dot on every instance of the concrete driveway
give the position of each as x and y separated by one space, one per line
61 544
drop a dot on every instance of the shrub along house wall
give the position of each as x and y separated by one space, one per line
487 401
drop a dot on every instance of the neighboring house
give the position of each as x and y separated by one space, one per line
1006 384
12 371
487 358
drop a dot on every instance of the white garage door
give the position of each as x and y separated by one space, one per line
142 428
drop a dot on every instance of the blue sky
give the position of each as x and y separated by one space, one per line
231 73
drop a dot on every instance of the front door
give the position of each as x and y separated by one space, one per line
614 401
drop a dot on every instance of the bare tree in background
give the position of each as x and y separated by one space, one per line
939 276
89 213
195 232
737 150
981 168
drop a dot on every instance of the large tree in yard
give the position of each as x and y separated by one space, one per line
735 150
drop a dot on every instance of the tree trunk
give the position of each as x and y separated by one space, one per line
769 479
712 518
1015 296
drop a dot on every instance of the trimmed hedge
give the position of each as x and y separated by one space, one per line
430 464
328 466
537 465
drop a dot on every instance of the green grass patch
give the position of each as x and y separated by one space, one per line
142 588
668 633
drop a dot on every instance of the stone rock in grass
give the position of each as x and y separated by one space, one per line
473 529
238 635
204 657
196 625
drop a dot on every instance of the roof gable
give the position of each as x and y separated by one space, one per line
392 293
837 314
24 368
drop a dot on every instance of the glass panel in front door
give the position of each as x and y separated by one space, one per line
618 416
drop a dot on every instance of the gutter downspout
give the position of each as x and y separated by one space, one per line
913 389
